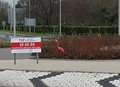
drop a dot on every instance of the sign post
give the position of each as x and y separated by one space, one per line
26 45
37 56
14 55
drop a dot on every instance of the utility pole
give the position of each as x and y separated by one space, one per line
11 18
60 23
29 15
14 18
119 17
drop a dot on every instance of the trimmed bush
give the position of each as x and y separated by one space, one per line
4 44
87 47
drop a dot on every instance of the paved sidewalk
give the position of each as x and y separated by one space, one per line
63 65
13 78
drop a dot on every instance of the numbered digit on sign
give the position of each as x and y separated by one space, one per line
27 44
32 44
21 44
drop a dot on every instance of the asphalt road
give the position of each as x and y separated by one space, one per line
7 36
5 54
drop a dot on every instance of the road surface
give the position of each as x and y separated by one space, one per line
5 54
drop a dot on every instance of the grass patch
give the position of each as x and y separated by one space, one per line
23 33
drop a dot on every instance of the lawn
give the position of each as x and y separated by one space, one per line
23 33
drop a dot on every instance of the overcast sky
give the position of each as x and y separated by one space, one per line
9 1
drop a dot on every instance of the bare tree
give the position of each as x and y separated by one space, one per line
77 12
3 11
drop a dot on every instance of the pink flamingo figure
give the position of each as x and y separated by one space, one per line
59 49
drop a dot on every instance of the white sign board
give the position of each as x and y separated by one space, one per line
30 22
26 45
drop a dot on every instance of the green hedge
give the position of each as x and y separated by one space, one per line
68 30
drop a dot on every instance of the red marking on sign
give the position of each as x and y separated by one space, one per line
25 45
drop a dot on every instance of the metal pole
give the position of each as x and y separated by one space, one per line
29 15
14 18
37 56
119 17
14 26
11 18
14 58
60 33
